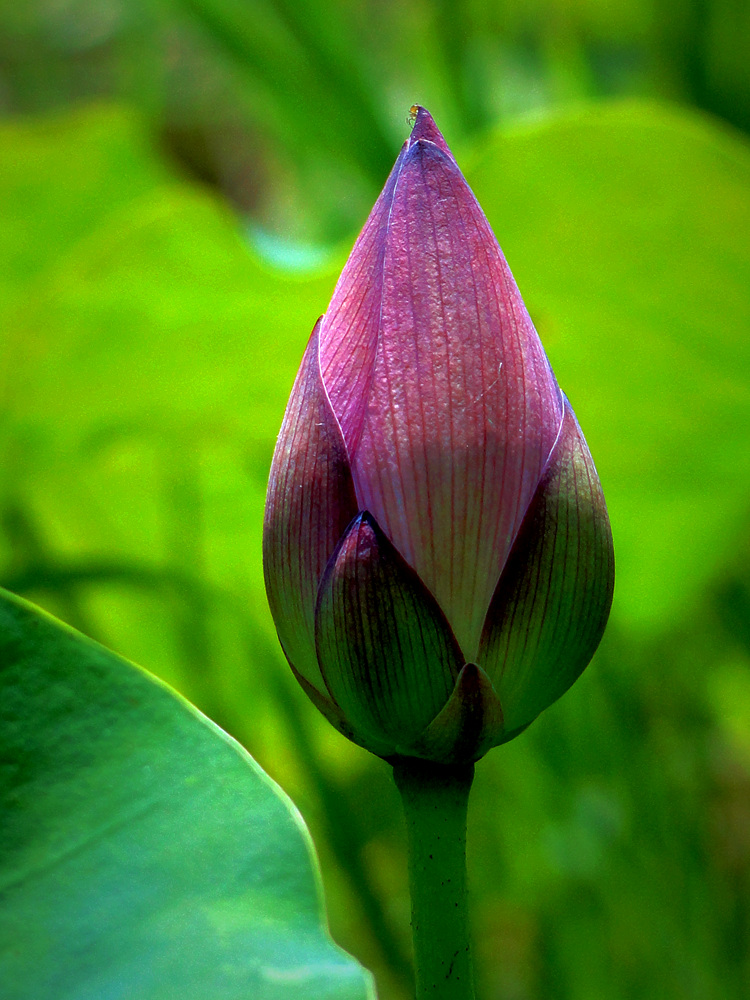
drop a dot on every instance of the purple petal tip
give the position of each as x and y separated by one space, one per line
425 128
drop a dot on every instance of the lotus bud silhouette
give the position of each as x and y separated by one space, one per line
437 551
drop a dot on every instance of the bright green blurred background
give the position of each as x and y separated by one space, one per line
179 185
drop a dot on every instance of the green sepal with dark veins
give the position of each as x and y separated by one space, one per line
468 724
386 652
551 604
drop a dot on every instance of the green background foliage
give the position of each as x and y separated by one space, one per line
162 261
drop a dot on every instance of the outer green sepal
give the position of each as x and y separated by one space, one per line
551 605
468 725
387 654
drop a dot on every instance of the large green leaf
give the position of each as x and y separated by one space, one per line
143 853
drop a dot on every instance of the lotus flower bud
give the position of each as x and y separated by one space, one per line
437 551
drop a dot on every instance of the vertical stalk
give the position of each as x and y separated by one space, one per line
435 798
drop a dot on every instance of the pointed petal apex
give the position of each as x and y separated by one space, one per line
387 654
469 724
426 129
310 502
553 599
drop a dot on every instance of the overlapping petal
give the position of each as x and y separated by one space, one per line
553 599
468 725
387 654
310 502
459 410
350 328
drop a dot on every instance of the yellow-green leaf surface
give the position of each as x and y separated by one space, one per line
60 177
143 853
144 368
627 231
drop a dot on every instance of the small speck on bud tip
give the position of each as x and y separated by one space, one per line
424 127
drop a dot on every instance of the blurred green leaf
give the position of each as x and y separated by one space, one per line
626 228
149 358
299 55
144 853
61 177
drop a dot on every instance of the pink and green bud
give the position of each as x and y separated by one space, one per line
437 550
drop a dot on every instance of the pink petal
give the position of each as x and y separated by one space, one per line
446 400
350 328
309 504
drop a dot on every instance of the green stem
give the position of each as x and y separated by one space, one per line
435 798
